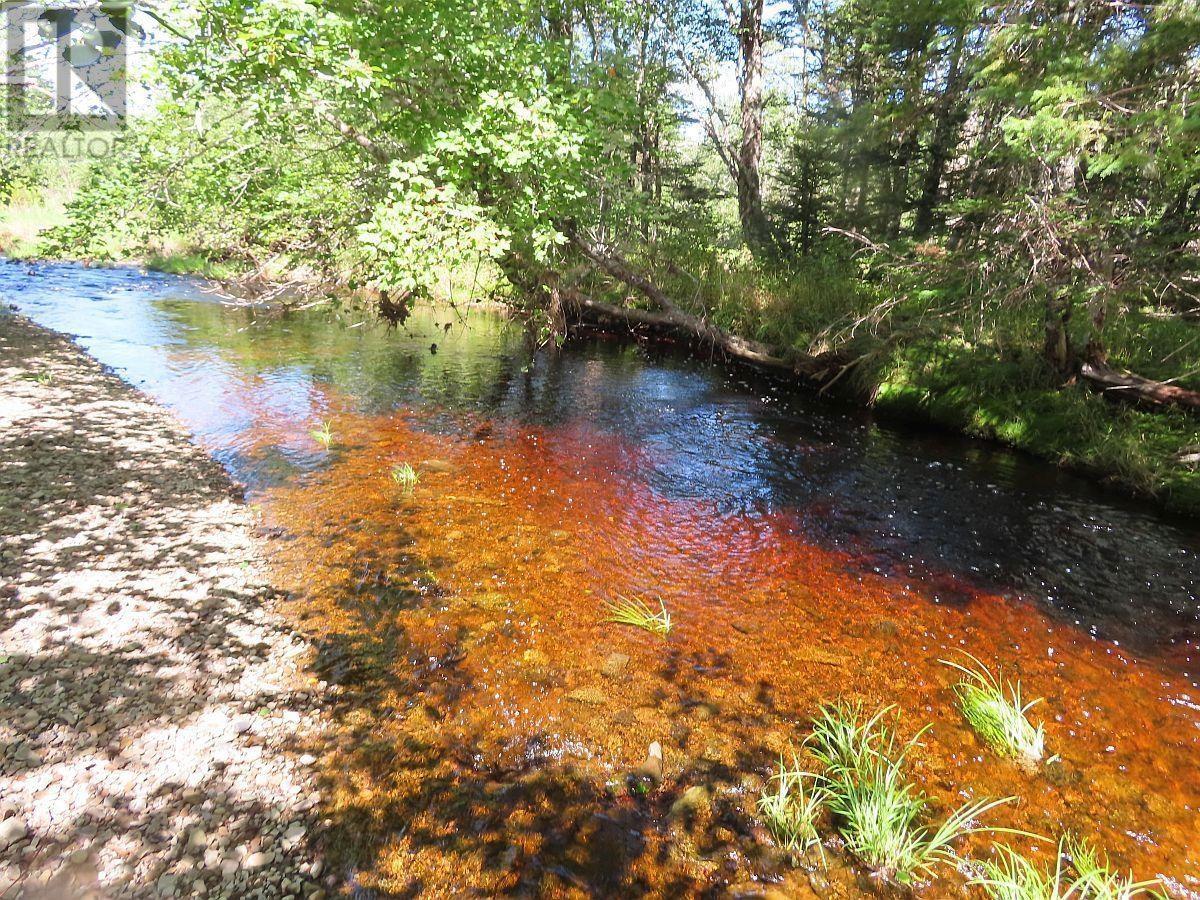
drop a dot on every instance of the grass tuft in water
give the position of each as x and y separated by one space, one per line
1010 876
1013 877
998 715
405 475
626 611
843 737
323 435
1097 878
878 810
790 809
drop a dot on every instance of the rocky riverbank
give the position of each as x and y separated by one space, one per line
157 727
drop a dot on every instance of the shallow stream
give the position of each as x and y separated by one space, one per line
492 723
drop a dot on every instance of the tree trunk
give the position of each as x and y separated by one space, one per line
943 141
1132 388
755 229
670 321
1057 348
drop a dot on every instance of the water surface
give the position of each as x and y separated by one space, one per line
807 551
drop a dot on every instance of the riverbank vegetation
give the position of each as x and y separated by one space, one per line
984 215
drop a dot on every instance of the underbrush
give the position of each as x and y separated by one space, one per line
27 214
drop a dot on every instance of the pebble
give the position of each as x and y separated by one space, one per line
614 665
652 768
590 695
11 831
146 646
691 802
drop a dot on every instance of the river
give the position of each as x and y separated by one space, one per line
489 717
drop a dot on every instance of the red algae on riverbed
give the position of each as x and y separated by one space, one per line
493 725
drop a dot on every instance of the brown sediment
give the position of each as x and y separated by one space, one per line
493 724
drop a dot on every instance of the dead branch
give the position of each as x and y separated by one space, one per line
1132 388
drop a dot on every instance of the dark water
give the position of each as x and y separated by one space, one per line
251 382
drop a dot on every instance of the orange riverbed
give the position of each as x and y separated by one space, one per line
491 718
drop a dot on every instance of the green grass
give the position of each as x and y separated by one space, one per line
1096 876
842 736
1081 872
25 216
323 435
792 807
626 611
1008 397
995 710
183 262
1010 876
879 812
405 475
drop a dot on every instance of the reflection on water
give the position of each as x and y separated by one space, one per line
489 719
251 383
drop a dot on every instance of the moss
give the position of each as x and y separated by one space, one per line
969 388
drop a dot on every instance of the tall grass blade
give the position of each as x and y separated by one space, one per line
995 711
792 808
626 611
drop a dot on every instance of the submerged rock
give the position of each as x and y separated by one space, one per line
614 665
691 802
590 695
886 628
535 658
652 768
750 890
1059 774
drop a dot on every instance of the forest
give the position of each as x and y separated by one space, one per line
981 215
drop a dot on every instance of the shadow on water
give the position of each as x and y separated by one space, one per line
430 790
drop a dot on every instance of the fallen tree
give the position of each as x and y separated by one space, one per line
1131 388
669 321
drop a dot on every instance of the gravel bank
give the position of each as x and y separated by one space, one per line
155 718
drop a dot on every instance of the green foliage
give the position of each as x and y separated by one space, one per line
1011 876
378 145
998 716
405 475
878 810
1081 872
323 435
791 808
1096 876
